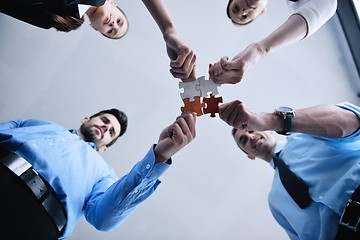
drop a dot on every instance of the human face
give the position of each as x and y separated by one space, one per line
244 11
256 143
100 130
109 20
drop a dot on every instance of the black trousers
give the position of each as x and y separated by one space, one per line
21 215
346 234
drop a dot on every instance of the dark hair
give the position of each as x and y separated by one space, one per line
228 14
228 9
120 116
233 132
65 23
126 29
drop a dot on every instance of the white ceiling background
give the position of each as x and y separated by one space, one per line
212 191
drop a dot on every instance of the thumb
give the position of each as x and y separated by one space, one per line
228 65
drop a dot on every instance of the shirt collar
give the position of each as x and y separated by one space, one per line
279 146
82 9
74 131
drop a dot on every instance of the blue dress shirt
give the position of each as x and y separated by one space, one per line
84 182
331 169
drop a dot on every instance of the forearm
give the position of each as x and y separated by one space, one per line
160 14
324 120
109 207
293 30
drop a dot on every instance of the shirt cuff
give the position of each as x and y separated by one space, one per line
150 170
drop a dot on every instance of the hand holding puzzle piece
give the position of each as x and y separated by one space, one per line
196 96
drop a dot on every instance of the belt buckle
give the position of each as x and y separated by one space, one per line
350 217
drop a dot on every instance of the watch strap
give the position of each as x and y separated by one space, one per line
287 125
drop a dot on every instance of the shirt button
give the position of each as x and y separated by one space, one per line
147 166
136 191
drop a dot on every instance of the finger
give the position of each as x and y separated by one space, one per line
187 121
179 75
211 72
228 112
181 132
242 119
184 60
182 54
223 60
229 64
191 77
185 70
224 108
217 70
233 116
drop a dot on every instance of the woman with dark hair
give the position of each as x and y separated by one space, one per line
107 18
306 17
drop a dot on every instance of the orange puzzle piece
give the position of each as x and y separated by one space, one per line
194 106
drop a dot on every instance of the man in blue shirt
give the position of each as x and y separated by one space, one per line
323 150
85 184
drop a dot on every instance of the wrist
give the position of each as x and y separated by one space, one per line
158 157
286 115
262 48
274 122
167 30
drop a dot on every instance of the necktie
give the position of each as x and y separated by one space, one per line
295 186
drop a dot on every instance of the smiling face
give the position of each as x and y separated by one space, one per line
100 130
259 144
109 20
244 11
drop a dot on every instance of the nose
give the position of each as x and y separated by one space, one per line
104 128
245 11
251 137
111 23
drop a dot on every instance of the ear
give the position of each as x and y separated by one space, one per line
85 119
102 149
252 157
262 11
93 27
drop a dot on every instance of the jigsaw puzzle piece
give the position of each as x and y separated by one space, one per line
193 106
190 90
207 86
212 105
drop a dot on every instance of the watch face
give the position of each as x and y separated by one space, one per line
284 109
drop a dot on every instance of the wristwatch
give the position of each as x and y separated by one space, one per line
287 113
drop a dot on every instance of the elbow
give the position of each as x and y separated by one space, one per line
339 133
103 227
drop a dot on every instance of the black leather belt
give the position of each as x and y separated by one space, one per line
349 226
39 186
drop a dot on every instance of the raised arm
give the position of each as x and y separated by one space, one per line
182 58
306 20
108 206
324 120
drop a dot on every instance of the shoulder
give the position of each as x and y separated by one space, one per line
33 122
